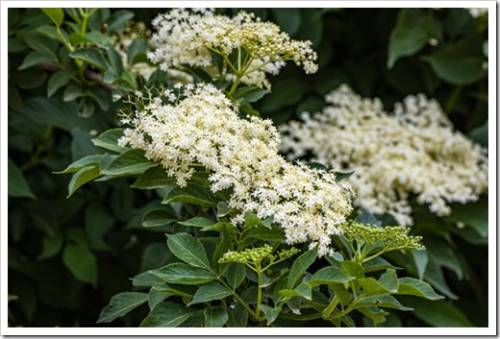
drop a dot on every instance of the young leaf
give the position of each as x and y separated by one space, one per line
183 274
212 291
167 314
188 249
215 316
270 313
300 266
121 304
18 186
83 176
81 262
389 280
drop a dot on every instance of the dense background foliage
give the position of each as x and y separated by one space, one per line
68 257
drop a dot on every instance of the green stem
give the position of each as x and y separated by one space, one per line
259 291
237 297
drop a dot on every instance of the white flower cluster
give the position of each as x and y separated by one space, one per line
187 37
414 151
201 127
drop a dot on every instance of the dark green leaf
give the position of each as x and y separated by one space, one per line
235 274
188 249
418 288
121 304
328 275
209 292
197 222
439 313
91 56
215 316
155 177
421 259
167 314
158 217
300 266
56 81
136 52
183 274
130 162
18 186
81 262
288 19
55 14
413 30
80 178
35 58
109 140
389 280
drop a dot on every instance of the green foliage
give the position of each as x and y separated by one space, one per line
69 258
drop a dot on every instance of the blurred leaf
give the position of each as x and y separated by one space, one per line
109 140
81 177
81 262
18 186
55 14
413 30
136 52
459 63
91 56
288 19
118 20
35 58
56 81
158 217
421 259
439 313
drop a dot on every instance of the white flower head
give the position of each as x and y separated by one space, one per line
412 152
202 127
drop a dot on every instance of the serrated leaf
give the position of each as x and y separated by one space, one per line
121 304
167 314
81 177
209 292
188 249
183 274
418 288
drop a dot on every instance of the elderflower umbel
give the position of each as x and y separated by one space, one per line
201 127
187 37
414 151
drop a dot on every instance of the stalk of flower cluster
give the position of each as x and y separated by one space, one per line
413 151
202 126
248 48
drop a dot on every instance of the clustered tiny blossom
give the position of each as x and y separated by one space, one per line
202 127
187 37
414 151
389 238
256 256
